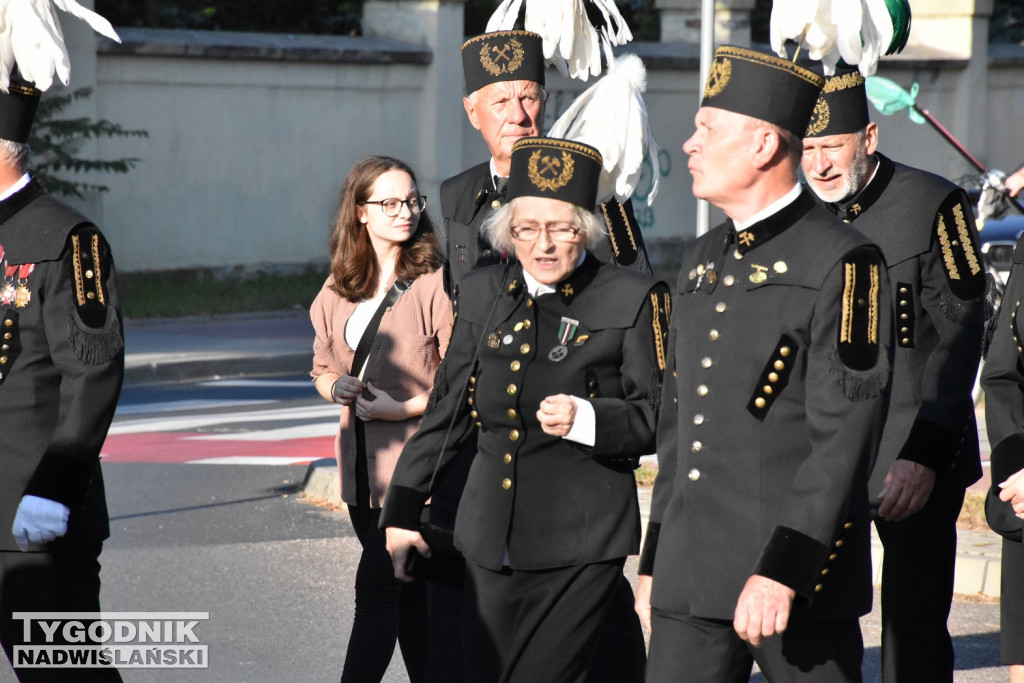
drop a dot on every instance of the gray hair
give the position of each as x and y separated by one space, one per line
497 229
14 154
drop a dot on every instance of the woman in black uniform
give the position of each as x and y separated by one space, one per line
555 363
1002 378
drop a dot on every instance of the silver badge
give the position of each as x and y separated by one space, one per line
558 353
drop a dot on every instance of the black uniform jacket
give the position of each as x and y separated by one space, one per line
772 411
925 228
552 502
468 198
1002 377
62 363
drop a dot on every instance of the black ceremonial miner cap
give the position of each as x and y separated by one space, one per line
556 169
763 86
17 110
502 56
842 106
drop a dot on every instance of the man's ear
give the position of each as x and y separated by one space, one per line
871 138
765 144
469 103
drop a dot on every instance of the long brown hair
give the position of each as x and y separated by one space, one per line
353 261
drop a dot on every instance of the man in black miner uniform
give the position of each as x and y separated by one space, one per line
504 73
758 544
61 367
929 452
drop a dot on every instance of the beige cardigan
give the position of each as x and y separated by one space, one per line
407 349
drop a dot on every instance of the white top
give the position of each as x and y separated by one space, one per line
356 324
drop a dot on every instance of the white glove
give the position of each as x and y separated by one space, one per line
39 520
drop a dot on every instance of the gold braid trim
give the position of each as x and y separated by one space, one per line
577 147
850 281
96 269
873 306
76 262
947 250
773 62
659 341
965 239
629 229
611 233
837 83
496 34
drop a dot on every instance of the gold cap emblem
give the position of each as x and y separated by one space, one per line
502 58
549 172
718 77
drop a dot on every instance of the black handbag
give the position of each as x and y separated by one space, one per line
446 564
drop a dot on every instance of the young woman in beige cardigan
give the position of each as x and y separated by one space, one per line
380 236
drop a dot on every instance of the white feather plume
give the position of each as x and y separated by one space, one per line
858 31
611 116
32 40
571 43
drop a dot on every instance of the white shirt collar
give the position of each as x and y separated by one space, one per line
494 172
770 210
19 184
536 288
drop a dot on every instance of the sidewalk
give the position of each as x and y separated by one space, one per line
181 349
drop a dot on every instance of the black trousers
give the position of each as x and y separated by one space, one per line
386 610
530 626
687 648
917 589
64 581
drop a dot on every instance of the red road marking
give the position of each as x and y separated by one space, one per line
171 447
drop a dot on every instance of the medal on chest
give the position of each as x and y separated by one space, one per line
566 332
20 295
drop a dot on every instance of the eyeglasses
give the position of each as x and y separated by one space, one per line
557 232
392 207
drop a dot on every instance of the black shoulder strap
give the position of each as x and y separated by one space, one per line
366 341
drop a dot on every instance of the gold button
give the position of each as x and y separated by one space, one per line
591 384
90 295
473 414
675 400
472 380
5 347
839 543
904 316
832 557
675 374
514 435
759 402
767 389
506 483
720 307
848 525
524 349
705 362
702 390
469 400
512 414
8 322
7 335
507 458
529 302
779 365
592 394
694 474
526 324
698 419
515 366
512 389
824 572
3 360
903 290
697 447
905 340
817 589
713 335
496 204
479 425
737 255
728 280
773 377
518 327
904 330
88 273
784 351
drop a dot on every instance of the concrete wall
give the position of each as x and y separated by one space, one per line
250 136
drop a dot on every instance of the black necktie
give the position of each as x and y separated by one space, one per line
500 184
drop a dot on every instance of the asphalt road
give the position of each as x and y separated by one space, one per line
274 572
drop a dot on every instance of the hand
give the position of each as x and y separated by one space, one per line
399 541
907 488
642 603
557 414
1013 492
39 520
762 610
380 407
346 389
1015 182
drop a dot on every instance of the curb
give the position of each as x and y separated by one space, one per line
978 554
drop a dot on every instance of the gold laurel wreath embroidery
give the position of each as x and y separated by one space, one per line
837 83
551 184
721 71
819 118
512 64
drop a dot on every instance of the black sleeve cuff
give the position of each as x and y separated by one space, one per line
932 446
402 508
646 566
793 559
61 478
1007 458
